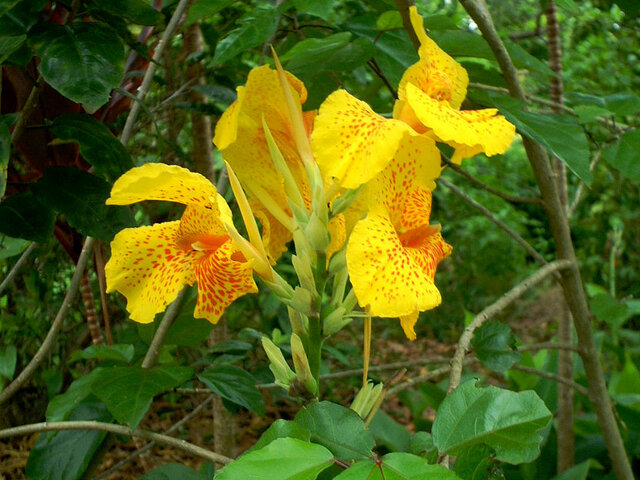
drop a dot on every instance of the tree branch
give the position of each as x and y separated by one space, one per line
16 268
117 430
491 311
43 351
551 376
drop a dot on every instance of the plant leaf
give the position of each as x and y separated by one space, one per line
282 459
136 11
397 466
492 344
339 429
82 61
128 391
506 421
23 216
280 429
235 385
8 360
174 471
623 155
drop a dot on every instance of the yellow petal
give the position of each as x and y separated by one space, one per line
227 127
480 129
408 322
338 232
351 142
222 276
438 61
385 276
148 268
275 235
158 181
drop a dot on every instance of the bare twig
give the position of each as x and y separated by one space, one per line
16 268
551 376
194 413
161 333
488 188
148 76
512 233
492 310
43 351
27 110
117 430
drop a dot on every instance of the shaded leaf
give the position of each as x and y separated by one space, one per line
608 310
474 463
65 455
235 385
397 466
282 459
493 344
128 391
339 429
23 216
9 44
313 52
389 20
280 429
577 472
10 247
136 11
5 153
322 9
205 8
422 445
623 155
82 61
256 28
389 433
17 17
118 352
174 471
8 359
97 144
61 405
80 197
506 421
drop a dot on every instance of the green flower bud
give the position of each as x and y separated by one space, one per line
301 364
278 365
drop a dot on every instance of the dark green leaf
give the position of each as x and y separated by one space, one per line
474 463
307 54
65 455
5 153
97 144
577 472
8 359
9 44
82 61
118 352
397 466
282 459
623 155
623 103
23 216
231 346
339 429
80 196
322 9
281 429
389 433
422 445
608 310
174 471
569 5
17 17
235 385
217 93
61 405
493 345
506 421
10 247
389 20
136 11
201 9
256 28
551 131
128 391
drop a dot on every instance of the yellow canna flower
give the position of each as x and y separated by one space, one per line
240 136
352 143
150 265
392 253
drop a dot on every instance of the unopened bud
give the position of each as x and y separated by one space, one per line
335 321
317 233
277 364
366 399
301 364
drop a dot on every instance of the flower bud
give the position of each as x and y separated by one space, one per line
278 365
366 399
301 364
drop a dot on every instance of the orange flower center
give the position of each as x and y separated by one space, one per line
438 86
416 237
202 242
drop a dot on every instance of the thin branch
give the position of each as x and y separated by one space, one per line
579 191
551 376
43 351
194 413
27 110
373 65
512 233
488 188
492 310
426 377
117 430
549 346
148 76
532 98
403 8
161 333
16 268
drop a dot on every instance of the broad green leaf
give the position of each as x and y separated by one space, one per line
8 359
97 144
201 9
136 11
61 405
80 197
308 53
280 429
590 113
577 472
506 421
23 216
5 153
608 310
256 28
231 346
397 466
624 385
17 17
422 445
493 345
65 455
282 459
118 352
234 384
389 433
474 463
322 9
128 391
623 103
10 247
187 331
82 61
339 429
389 20
174 471
9 44
623 155
561 135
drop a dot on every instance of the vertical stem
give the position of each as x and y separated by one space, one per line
367 350
570 280
90 307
